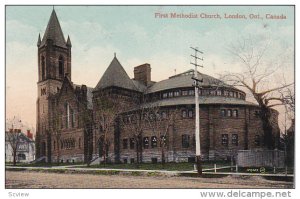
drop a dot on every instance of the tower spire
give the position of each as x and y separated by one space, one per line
54 32
39 41
69 44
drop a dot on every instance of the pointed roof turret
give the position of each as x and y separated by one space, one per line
39 41
54 32
115 75
69 44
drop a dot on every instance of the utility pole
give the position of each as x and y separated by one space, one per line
197 85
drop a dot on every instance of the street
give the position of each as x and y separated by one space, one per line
31 179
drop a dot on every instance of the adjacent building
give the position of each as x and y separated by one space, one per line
24 145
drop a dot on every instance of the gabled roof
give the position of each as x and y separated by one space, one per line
54 32
115 75
22 137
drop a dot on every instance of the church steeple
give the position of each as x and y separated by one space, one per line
54 53
53 32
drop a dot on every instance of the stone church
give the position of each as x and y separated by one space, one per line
144 121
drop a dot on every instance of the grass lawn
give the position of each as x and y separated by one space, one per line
170 166
43 164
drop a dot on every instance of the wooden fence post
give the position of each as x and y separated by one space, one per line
215 166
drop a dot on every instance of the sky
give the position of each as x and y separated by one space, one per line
138 36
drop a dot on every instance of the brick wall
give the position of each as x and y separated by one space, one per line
212 125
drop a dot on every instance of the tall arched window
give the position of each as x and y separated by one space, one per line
43 67
61 66
67 112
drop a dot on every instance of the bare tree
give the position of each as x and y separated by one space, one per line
257 77
13 138
135 122
160 121
105 113
288 99
288 136
86 117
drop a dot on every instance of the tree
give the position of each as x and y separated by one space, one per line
135 122
288 136
86 116
160 122
106 111
13 137
256 78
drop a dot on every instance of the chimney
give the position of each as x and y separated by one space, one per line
142 73
29 135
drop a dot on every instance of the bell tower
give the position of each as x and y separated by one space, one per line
54 63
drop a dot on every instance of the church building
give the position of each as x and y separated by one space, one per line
128 120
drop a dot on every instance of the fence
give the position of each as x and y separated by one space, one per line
261 158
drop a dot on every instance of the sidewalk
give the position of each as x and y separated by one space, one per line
173 173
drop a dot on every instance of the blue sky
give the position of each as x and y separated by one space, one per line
137 37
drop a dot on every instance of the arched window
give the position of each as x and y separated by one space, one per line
185 141
61 66
43 67
72 112
146 142
67 112
184 114
153 141
131 143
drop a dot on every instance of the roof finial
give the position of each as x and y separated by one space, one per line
115 54
53 7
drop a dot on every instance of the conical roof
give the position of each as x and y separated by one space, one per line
39 41
69 42
115 75
54 32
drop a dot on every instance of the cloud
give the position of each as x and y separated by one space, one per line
89 64
20 31
21 78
